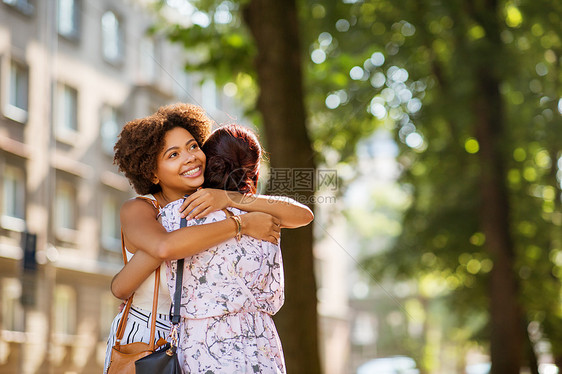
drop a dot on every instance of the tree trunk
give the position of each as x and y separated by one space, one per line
274 26
506 331
506 343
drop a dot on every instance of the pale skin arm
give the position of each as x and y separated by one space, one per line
145 236
291 213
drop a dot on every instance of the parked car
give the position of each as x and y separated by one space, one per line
389 365
479 368
486 367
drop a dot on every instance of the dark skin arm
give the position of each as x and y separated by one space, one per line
152 244
291 213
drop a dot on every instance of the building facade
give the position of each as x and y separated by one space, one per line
72 72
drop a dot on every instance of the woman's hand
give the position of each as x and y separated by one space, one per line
203 202
261 226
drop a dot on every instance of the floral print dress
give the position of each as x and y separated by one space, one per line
229 294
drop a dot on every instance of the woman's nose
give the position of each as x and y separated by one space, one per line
189 157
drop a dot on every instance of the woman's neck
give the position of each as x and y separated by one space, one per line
166 197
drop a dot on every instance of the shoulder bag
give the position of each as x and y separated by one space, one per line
165 359
123 356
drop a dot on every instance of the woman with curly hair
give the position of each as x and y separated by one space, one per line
161 156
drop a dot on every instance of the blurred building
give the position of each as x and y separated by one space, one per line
379 325
71 73
332 269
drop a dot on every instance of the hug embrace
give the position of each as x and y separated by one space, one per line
229 251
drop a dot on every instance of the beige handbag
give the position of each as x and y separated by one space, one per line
123 356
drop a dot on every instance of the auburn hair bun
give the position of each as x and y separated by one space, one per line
233 159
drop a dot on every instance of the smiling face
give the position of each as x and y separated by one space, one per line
180 165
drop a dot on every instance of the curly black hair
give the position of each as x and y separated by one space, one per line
141 141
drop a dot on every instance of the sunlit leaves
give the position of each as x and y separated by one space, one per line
513 17
218 42
448 48
476 32
471 145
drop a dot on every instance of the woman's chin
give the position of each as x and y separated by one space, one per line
195 183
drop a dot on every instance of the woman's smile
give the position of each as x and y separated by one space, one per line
194 172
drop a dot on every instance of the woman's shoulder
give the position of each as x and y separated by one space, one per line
138 206
135 202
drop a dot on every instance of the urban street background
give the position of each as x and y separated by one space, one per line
426 135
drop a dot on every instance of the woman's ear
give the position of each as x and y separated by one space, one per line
155 179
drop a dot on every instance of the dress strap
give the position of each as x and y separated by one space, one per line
152 201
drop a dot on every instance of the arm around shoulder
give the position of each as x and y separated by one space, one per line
141 229
291 213
143 232
133 274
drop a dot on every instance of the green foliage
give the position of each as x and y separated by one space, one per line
453 41
222 52
217 44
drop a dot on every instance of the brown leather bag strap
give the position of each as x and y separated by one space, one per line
154 308
125 314
156 206
122 323
123 250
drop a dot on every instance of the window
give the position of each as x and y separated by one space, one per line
111 37
18 93
12 310
364 329
24 6
183 85
66 112
110 224
109 129
64 313
209 94
108 309
68 18
65 206
13 198
147 59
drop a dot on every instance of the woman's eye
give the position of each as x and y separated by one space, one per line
194 146
173 154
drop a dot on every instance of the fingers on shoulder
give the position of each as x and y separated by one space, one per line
192 197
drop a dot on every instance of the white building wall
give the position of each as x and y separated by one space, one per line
65 328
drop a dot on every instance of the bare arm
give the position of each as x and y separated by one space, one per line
291 213
133 274
143 232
